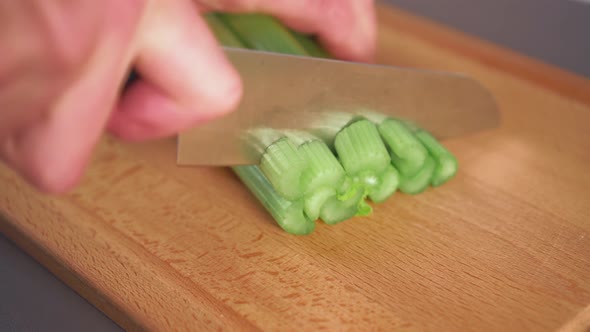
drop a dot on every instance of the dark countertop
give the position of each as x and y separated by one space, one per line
32 299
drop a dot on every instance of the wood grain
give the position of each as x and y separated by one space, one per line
504 246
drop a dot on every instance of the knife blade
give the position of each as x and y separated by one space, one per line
287 92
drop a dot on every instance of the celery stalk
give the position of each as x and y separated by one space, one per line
328 173
407 152
446 163
420 181
288 214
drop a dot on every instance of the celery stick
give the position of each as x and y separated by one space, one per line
419 182
361 152
388 185
407 153
446 163
288 214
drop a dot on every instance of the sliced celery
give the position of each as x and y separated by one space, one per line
323 174
315 201
349 157
324 170
262 32
361 150
419 182
288 214
339 209
446 163
389 182
407 153
283 165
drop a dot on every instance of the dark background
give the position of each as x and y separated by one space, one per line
554 31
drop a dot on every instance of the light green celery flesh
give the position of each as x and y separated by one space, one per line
288 214
389 182
446 163
419 182
337 209
407 152
284 166
323 169
360 148
314 202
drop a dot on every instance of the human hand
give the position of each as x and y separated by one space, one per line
65 62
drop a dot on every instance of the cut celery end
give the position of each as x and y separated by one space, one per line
323 169
446 169
283 165
222 33
389 182
315 201
419 182
360 148
363 209
289 215
407 152
446 163
263 32
336 210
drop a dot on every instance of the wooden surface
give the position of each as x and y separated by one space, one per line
504 246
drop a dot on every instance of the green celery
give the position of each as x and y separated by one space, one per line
419 182
389 183
407 152
361 152
288 214
446 163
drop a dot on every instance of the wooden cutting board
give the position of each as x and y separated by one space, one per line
504 246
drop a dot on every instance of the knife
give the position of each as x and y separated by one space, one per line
287 92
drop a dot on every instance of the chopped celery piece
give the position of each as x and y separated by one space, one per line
419 182
338 209
323 175
283 165
407 153
262 32
314 202
446 163
388 185
362 152
323 170
222 33
288 214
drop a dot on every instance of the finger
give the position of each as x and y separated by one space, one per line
53 151
185 77
346 28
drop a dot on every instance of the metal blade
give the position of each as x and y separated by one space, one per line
294 92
